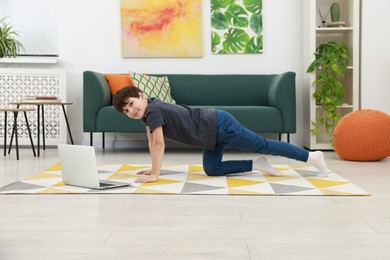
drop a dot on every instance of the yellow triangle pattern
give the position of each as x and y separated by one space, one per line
42 175
120 176
318 183
160 182
126 167
149 191
195 168
233 182
335 193
61 183
56 167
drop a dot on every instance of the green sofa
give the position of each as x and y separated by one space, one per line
262 103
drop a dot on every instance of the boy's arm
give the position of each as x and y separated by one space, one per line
156 147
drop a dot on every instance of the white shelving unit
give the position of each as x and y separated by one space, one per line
314 35
16 84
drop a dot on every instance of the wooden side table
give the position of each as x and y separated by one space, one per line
15 128
40 108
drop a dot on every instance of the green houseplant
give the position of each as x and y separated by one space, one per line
330 64
9 46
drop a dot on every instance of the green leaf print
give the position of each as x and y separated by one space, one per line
254 45
215 40
256 23
235 41
253 6
237 16
219 21
217 4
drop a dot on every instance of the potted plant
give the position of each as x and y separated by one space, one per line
9 46
330 64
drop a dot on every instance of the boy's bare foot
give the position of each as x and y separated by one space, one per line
261 164
317 160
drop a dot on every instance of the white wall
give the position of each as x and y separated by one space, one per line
89 39
375 68
33 20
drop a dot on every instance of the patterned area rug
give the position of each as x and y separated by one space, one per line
297 179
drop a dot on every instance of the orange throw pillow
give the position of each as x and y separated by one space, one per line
118 81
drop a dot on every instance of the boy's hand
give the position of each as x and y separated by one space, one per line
144 172
148 178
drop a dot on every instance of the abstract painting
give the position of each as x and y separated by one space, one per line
161 28
237 26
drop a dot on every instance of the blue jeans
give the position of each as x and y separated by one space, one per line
231 134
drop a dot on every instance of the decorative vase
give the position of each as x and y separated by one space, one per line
335 12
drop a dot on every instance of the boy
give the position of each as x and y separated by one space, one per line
211 129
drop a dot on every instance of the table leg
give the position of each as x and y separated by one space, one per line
67 124
5 133
38 129
12 137
29 133
43 129
16 134
11 141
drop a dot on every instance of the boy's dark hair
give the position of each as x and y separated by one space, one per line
122 96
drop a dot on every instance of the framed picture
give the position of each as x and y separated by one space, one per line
161 28
236 26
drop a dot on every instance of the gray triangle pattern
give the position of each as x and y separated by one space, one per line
104 171
285 189
195 187
241 174
307 173
19 185
169 172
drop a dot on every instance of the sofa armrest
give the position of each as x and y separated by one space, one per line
282 96
96 94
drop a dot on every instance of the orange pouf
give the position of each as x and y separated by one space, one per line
363 135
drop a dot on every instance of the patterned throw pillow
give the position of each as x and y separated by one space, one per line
153 86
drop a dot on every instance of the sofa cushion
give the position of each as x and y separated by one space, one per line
118 81
153 86
109 120
220 90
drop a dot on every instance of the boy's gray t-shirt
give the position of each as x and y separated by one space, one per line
194 126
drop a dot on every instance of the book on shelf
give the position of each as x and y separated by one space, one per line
40 98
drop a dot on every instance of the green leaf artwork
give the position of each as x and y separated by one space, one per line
237 26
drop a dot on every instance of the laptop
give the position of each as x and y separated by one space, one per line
78 167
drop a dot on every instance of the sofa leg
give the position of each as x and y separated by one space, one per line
103 140
91 138
288 137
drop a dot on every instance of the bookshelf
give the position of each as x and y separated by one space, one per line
315 33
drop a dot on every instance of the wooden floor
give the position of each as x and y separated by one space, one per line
194 227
